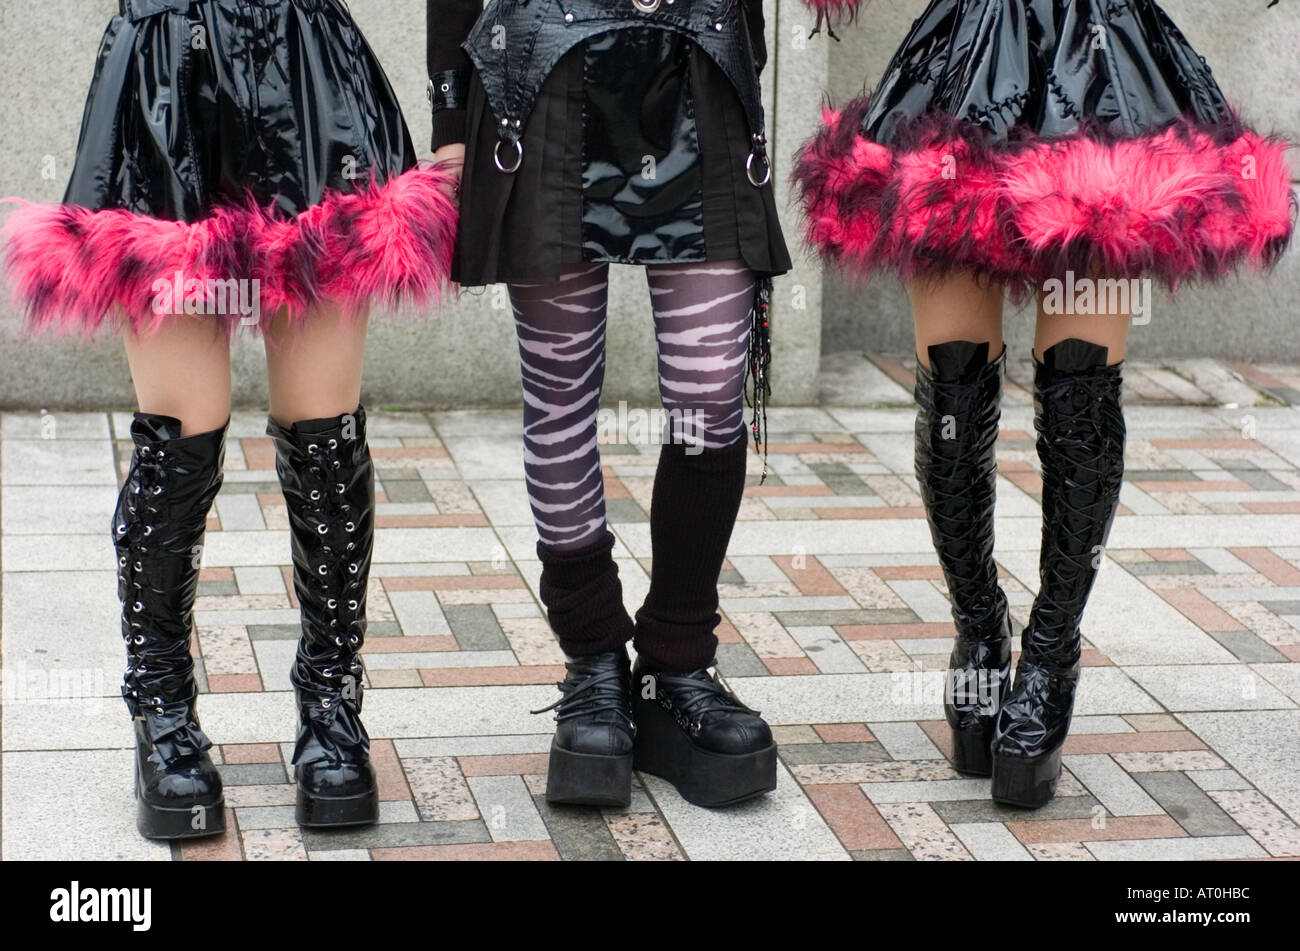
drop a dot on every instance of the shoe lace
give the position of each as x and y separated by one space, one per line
698 694
597 693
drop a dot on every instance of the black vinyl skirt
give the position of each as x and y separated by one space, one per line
228 140
1024 139
525 227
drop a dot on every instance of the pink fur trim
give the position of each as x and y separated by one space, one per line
1180 204
72 268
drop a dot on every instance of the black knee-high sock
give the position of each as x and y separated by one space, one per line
584 598
692 512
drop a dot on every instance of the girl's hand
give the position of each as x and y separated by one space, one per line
452 158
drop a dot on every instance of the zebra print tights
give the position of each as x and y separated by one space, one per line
702 320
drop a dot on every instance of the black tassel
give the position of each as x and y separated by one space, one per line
760 366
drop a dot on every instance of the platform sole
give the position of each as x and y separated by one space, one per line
180 822
702 777
971 753
320 812
588 779
194 821
1026 783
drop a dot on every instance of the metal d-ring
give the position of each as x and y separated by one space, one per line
749 170
519 156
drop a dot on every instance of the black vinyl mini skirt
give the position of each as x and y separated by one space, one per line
1022 139
234 140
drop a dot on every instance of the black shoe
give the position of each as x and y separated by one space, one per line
158 528
1080 429
328 481
591 754
691 731
958 407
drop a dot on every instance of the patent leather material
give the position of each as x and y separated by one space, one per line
633 211
1080 426
327 477
158 529
200 102
959 405
1044 67
542 31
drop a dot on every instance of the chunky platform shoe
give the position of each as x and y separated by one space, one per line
958 402
691 731
158 530
328 482
591 754
1080 427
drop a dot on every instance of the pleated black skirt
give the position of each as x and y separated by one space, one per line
526 227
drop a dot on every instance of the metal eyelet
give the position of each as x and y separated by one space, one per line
353 569
350 527
339 488
121 562
148 530
322 529
331 604
646 6
338 641
313 448
139 566
334 443
352 605
323 570
325 702
314 495
137 607
139 640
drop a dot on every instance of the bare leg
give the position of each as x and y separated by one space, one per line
956 308
1105 328
314 368
182 370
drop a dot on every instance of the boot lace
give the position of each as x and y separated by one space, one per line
337 575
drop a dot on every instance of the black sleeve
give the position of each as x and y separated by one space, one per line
754 19
447 24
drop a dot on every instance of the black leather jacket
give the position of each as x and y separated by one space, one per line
515 44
